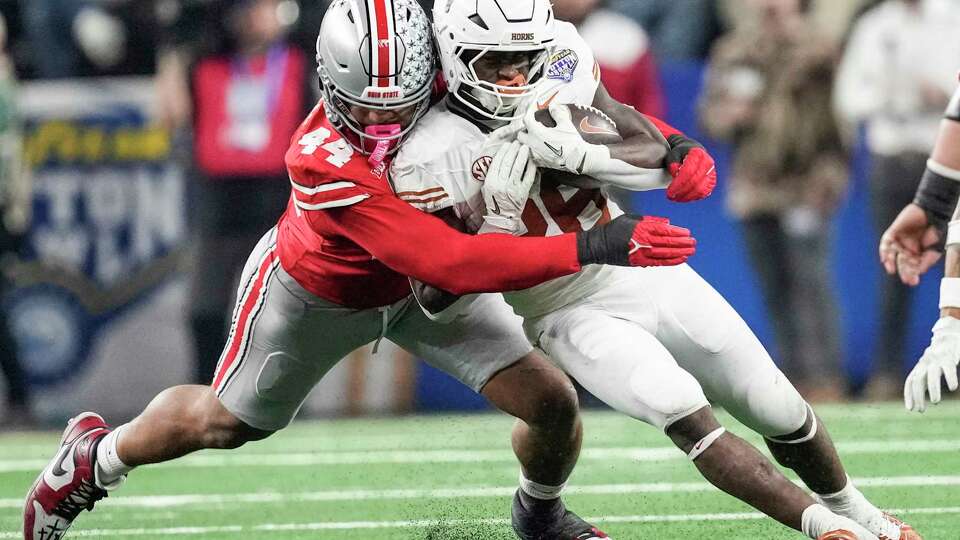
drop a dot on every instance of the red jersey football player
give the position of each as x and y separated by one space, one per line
332 276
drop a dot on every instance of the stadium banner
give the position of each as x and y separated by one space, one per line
97 305
100 299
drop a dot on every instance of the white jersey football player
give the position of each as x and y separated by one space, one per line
652 343
332 277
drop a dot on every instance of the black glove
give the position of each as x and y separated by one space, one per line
636 241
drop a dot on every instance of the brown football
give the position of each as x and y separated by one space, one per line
596 128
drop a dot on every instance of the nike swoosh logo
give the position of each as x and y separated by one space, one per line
546 104
587 127
557 151
583 163
637 246
60 475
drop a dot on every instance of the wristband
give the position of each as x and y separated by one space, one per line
950 292
943 170
953 233
938 194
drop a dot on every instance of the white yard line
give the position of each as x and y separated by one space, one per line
353 457
272 497
427 523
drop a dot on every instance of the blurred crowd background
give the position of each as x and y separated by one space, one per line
142 158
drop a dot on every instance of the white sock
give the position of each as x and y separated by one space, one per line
850 502
110 471
818 519
843 501
540 491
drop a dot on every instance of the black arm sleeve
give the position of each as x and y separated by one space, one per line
938 196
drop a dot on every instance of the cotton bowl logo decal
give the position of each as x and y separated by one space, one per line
480 168
563 65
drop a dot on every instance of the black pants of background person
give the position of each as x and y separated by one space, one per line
18 396
893 183
792 261
230 217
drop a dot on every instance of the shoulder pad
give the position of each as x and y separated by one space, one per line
573 74
324 170
434 164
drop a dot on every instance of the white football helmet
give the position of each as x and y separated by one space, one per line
465 30
377 54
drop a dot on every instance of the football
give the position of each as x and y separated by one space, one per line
593 125
596 128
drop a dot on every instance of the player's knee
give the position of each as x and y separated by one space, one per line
218 428
536 392
774 409
661 401
227 433
806 432
553 404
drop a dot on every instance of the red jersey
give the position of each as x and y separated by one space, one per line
347 238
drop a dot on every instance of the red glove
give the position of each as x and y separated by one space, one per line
636 241
693 170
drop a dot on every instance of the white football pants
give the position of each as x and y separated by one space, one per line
657 342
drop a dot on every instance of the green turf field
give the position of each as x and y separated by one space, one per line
451 477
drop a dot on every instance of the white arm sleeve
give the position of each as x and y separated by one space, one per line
621 174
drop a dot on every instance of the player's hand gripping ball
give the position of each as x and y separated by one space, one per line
568 141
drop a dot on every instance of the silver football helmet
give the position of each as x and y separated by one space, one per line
377 54
466 30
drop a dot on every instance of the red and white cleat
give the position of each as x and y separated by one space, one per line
838 535
906 531
66 486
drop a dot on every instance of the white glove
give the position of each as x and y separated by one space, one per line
507 187
506 134
562 147
939 361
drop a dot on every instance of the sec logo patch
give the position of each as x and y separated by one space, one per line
480 168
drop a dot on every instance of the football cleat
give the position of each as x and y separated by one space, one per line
558 523
906 531
66 486
838 535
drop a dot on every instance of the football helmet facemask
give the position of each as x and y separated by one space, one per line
470 32
379 55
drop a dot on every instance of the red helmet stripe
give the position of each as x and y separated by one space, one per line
384 42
